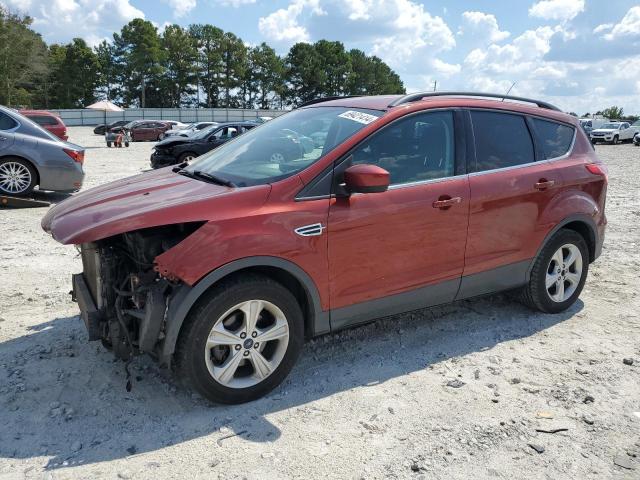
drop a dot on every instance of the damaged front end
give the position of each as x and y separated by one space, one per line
122 299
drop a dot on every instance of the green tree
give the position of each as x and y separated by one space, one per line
371 76
23 60
209 45
234 67
180 70
613 113
304 74
264 77
107 70
337 67
73 75
139 53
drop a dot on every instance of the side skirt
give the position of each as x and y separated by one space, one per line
495 280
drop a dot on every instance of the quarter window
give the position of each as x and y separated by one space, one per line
6 122
414 149
502 140
556 138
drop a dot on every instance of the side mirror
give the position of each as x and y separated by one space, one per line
366 179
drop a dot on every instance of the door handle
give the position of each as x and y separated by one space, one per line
543 184
445 202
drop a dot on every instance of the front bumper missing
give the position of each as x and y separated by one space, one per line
88 311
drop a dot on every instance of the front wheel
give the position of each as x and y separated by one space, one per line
615 140
558 274
186 157
241 341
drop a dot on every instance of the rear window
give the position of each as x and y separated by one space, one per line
502 140
556 138
43 119
6 122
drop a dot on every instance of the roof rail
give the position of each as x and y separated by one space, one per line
325 99
414 97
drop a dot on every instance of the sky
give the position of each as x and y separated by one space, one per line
582 55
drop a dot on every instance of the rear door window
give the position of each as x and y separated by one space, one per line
43 120
6 122
555 138
502 140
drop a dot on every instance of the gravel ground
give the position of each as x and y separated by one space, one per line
470 390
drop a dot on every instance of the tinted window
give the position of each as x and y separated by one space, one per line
43 119
555 138
502 140
417 148
6 122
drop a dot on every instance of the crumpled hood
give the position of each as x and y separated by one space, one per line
172 140
151 199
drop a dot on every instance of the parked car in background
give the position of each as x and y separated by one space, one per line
102 128
221 269
612 132
636 139
175 125
262 119
31 156
175 149
188 130
588 124
147 130
48 121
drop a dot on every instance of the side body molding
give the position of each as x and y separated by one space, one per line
185 297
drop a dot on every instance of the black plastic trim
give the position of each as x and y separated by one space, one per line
89 313
414 97
423 297
495 280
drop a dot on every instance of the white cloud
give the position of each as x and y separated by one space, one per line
182 7
235 3
562 10
629 26
283 25
483 26
93 20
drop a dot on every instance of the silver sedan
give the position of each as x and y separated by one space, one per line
30 156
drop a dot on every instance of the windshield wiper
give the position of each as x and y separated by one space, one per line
214 178
204 176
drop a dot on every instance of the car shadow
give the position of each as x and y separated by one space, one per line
65 398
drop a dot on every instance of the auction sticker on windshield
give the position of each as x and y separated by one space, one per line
359 117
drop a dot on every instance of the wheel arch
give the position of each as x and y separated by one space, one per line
283 271
579 223
24 159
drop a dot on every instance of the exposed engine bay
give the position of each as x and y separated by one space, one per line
130 299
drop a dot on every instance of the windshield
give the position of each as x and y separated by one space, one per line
610 125
284 146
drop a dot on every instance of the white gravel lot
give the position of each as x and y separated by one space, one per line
372 402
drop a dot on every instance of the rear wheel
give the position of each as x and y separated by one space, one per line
17 177
558 274
241 341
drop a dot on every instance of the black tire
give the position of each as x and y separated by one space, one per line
108 144
33 177
594 141
190 364
615 140
126 144
183 157
535 294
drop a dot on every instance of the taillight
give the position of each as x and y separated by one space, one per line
597 169
77 155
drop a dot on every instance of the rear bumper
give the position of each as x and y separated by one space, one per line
88 310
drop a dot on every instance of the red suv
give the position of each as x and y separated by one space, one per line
339 212
48 121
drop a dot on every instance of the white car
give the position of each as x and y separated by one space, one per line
613 132
188 130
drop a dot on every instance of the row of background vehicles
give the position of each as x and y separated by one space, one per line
611 131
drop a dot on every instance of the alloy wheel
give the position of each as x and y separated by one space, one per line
277 157
564 273
14 177
247 344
